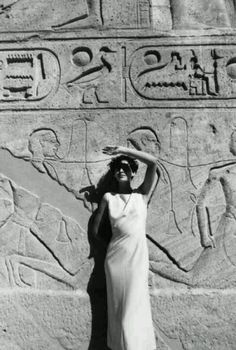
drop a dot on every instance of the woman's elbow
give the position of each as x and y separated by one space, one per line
153 164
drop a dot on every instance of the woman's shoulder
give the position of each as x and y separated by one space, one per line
137 191
108 195
138 194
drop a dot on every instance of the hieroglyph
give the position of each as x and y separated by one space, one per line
115 73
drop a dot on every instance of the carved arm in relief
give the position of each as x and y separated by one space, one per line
63 238
202 211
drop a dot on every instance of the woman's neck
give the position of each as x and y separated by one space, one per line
124 188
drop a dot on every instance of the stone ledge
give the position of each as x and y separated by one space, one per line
194 319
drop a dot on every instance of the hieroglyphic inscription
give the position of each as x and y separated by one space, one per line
117 73
183 73
93 72
27 75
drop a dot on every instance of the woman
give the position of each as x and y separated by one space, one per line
126 266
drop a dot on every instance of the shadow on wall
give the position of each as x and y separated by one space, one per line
97 283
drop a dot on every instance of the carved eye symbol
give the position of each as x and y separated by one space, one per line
152 57
82 56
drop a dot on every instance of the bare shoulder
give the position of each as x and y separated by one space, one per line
106 197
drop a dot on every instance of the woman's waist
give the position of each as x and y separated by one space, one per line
128 231
127 244
124 224
118 236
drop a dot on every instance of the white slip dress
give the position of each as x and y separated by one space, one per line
130 325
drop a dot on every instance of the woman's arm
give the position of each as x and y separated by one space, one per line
98 216
152 173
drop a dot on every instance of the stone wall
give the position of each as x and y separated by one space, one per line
76 76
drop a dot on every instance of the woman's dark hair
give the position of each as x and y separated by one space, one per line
115 163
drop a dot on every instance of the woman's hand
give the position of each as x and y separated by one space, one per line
112 150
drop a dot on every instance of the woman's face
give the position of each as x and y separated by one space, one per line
123 172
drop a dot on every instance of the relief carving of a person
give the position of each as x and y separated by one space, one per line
216 265
197 14
37 238
55 14
43 144
226 176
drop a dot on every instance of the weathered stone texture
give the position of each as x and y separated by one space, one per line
76 76
44 321
183 320
197 319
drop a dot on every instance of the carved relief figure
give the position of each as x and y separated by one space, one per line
216 265
226 176
43 144
39 247
126 265
60 156
200 14
145 139
162 14
68 171
53 14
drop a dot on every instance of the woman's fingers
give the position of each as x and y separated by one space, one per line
110 150
106 151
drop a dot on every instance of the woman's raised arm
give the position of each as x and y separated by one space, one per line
152 172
